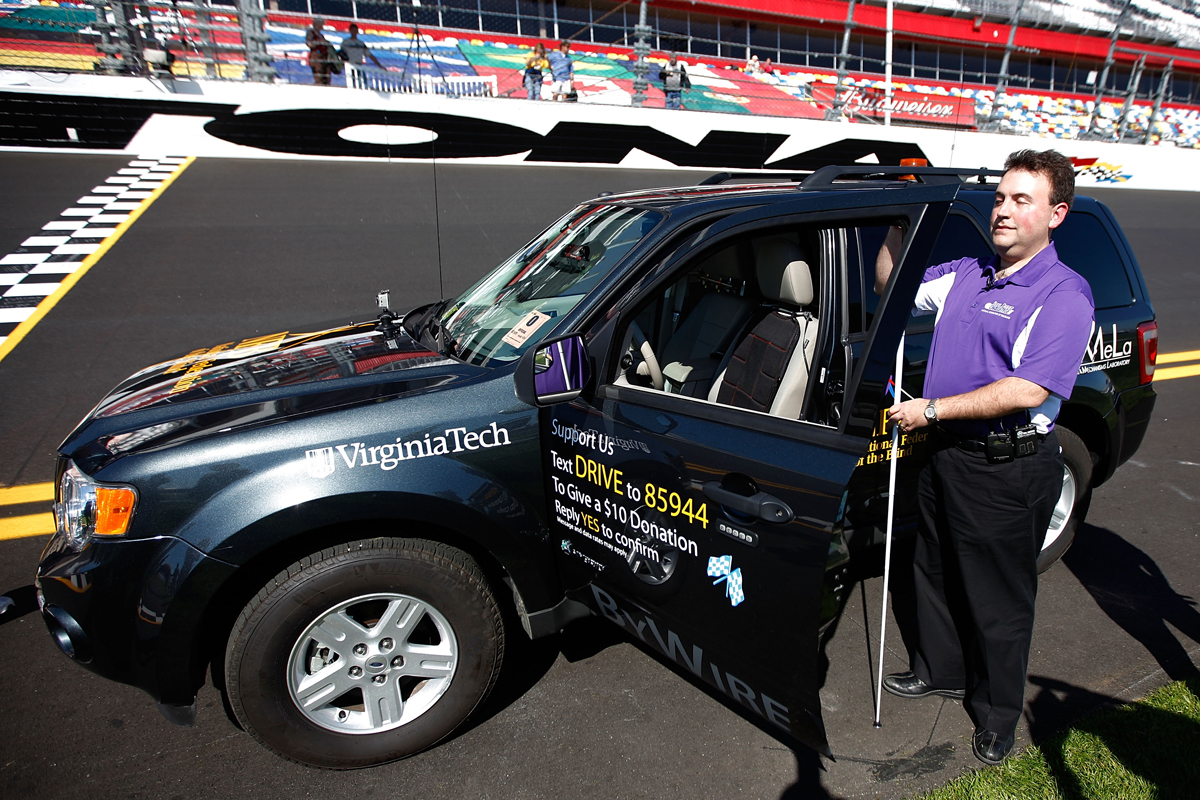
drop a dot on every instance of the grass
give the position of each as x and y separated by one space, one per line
1148 749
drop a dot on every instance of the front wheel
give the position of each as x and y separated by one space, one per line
364 653
1073 501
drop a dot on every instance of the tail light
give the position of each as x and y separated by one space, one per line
1147 349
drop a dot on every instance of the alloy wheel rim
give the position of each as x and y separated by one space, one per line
1062 508
372 663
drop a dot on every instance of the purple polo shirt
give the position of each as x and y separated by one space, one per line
1035 325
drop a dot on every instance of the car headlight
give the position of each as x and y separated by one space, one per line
85 508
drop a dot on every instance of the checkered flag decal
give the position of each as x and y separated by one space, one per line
718 567
721 568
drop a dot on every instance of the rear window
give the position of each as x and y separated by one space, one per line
1084 245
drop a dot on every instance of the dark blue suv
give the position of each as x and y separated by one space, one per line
665 410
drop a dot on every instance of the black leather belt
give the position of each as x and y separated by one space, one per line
964 442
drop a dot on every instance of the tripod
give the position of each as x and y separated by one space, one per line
415 44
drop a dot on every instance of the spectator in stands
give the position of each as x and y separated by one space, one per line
753 67
768 67
675 80
562 71
354 49
534 66
320 53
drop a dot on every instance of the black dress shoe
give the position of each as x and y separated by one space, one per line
907 684
991 748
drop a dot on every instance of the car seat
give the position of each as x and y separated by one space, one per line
694 353
769 368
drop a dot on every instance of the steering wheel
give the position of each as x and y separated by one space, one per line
648 358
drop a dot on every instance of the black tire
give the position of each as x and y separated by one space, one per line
443 610
1077 474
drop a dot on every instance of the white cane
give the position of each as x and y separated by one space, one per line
887 547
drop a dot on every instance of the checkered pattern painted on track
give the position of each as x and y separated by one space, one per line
35 270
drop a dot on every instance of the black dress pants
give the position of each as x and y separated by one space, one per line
981 528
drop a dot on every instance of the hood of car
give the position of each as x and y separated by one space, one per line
233 384
268 362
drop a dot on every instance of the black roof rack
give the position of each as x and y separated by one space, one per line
825 177
747 177
829 177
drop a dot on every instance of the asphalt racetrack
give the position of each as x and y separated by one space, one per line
240 248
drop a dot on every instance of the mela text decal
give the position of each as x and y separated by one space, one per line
1105 354
323 461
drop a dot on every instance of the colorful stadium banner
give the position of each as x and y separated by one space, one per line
914 106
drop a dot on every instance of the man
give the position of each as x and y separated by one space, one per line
320 52
562 72
675 80
355 50
1008 341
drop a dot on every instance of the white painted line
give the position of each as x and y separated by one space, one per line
24 258
109 218
121 206
16 314
31 290
133 195
76 249
143 163
120 180
145 185
78 212
107 190
56 268
63 225
10 278
132 171
94 233
45 241
92 200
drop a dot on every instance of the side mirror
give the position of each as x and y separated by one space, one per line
554 372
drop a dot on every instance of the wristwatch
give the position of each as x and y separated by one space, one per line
931 412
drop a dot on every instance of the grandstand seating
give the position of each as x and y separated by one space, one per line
45 37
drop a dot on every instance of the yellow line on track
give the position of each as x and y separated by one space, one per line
1167 374
1175 358
44 307
29 493
24 527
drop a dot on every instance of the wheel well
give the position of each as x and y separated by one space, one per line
223 611
1091 429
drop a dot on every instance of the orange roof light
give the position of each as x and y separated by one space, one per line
114 509
912 162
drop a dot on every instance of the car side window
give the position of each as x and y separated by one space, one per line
960 238
738 326
1084 245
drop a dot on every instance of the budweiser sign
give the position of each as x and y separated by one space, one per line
912 106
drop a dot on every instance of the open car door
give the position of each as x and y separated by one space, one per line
692 505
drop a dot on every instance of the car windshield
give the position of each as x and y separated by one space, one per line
518 303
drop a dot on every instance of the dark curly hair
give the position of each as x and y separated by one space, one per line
1052 164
